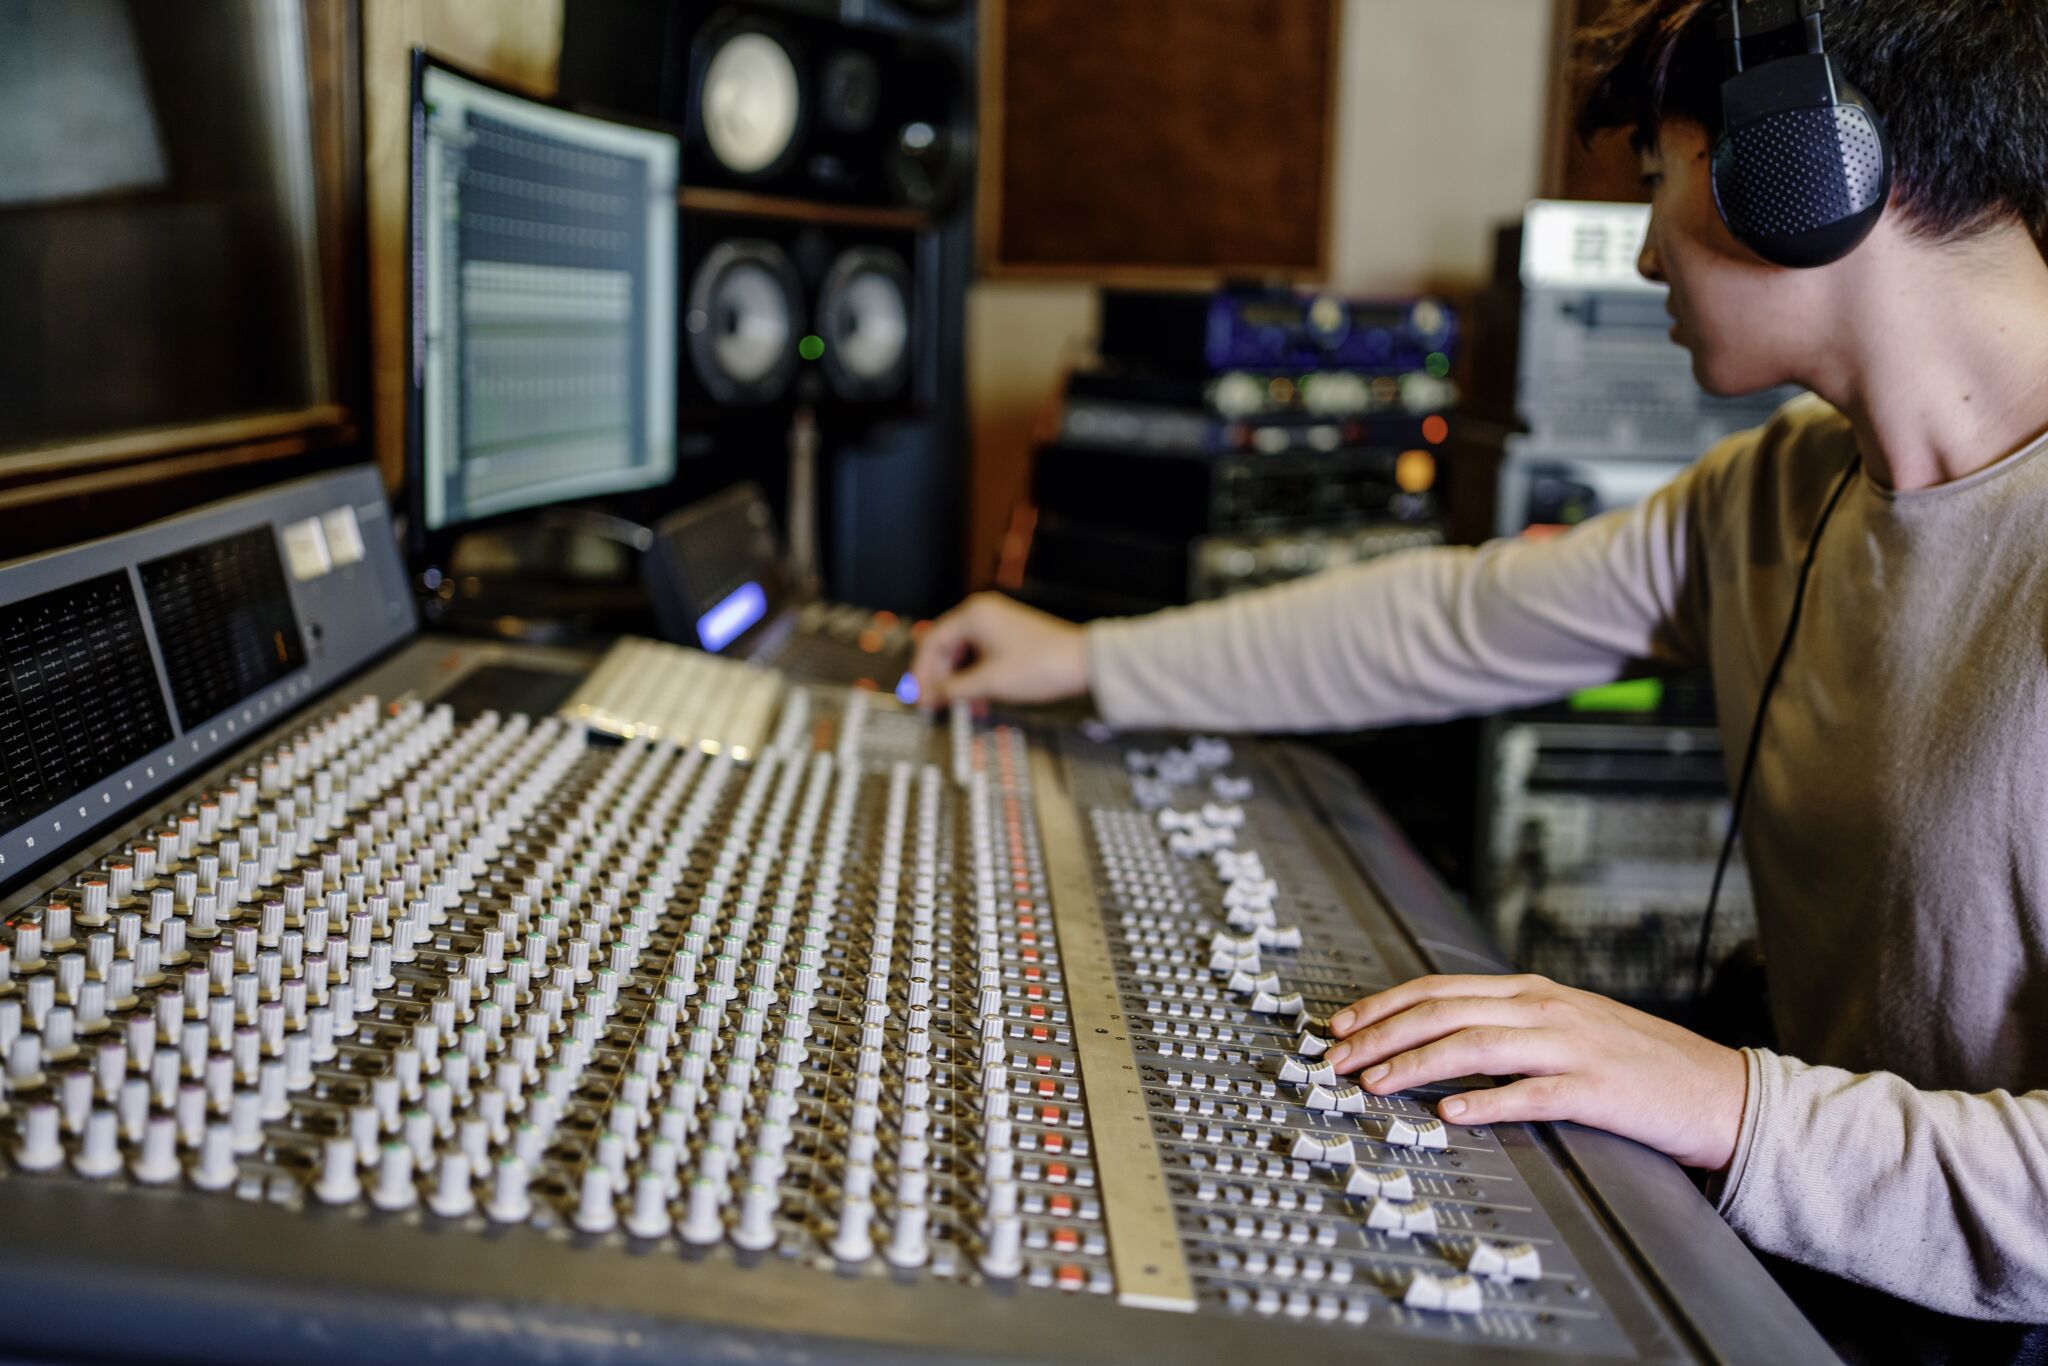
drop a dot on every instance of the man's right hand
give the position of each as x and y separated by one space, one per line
990 647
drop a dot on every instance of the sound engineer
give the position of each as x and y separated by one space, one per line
1897 1137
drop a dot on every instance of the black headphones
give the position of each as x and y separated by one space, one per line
1802 169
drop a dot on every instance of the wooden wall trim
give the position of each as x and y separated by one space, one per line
1558 117
323 424
988 123
1326 246
335 89
137 474
701 199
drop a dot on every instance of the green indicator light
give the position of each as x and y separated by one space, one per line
811 347
1638 696
1438 364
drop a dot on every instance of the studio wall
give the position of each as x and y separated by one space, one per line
1440 128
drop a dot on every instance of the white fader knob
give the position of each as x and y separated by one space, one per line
25 1063
338 1184
1449 1294
907 1246
701 1222
649 1217
1505 1261
394 1189
216 1169
855 1240
40 1150
100 1154
1002 1256
756 1229
452 1197
157 1164
510 1203
594 1211
1405 1132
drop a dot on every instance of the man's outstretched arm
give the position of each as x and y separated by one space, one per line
1420 636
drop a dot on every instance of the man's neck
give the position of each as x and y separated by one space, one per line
1948 370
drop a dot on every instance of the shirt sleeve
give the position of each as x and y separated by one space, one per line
1425 635
1937 1197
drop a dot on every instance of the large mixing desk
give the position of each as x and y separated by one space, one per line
366 995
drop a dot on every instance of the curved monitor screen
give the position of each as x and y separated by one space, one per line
544 302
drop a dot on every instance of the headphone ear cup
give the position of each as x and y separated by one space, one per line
1803 185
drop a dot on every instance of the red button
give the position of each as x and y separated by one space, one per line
1049 1114
1048 1087
1066 1240
1055 1143
1060 1206
1040 1034
1057 1173
1036 1012
1042 1063
1071 1278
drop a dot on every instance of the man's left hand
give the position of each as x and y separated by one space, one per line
1580 1057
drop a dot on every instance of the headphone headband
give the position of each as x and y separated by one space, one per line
1754 18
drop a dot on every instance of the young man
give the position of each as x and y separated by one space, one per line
1897 823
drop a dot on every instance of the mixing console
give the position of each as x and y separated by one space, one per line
789 1024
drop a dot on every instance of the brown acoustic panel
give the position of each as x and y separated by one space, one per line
1163 135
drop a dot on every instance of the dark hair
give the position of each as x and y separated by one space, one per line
1962 86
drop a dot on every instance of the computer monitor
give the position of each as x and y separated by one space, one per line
542 316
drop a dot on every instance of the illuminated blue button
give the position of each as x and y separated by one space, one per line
726 622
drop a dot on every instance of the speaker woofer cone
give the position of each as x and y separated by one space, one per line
864 315
751 103
744 319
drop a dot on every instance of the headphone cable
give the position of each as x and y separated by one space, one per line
1756 731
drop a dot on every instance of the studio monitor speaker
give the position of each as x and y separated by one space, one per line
779 313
